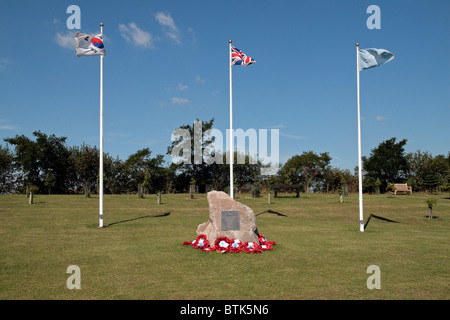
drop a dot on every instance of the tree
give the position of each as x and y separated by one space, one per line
204 163
387 162
334 178
247 172
8 174
427 172
419 162
86 163
171 178
50 182
440 167
430 203
369 184
243 173
307 169
25 158
196 167
430 181
446 185
434 173
115 175
45 162
144 170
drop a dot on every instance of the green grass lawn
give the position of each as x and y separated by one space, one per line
320 253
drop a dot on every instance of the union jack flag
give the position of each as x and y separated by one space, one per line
240 58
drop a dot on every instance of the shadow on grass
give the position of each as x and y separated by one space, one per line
378 217
274 212
165 214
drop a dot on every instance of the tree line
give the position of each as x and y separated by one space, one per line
47 165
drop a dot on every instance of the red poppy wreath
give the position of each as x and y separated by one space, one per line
252 247
201 242
224 244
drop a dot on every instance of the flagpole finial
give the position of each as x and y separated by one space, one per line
357 44
101 24
229 41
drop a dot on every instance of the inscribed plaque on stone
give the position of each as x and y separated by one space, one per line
230 220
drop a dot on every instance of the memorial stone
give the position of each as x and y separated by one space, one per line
228 218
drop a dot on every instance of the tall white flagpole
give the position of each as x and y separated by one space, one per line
100 216
361 219
231 128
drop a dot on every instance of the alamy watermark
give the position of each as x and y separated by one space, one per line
374 21
208 147
73 281
74 20
373 281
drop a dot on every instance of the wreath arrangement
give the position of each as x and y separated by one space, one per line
252 247
224 245
236 245
265 245
201 242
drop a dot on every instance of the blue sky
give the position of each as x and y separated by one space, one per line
167 65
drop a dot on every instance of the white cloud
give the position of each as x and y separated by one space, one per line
182 86
169 27
176 100
135 35
6 127
380 118
66 40
198 79
287 135
166 20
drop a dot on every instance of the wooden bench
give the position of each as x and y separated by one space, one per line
286 188
402 187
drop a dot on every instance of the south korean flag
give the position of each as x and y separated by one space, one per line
89 45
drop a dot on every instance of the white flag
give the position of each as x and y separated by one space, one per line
88 45
373 57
